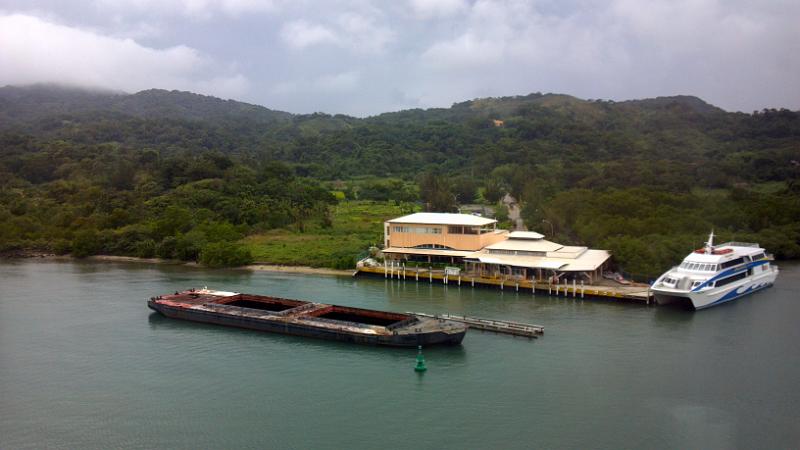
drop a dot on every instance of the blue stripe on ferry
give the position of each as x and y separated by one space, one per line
728 297
731 271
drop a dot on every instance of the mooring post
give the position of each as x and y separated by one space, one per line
416 274
473 281
459 280
516 287
549 287
582 288
574 288
430 274
385 269
501 284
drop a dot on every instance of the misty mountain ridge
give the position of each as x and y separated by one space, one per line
26 104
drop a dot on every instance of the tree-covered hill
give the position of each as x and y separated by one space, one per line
37 106
87 156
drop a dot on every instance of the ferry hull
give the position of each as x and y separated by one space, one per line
717 296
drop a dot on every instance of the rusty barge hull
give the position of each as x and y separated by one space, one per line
308 319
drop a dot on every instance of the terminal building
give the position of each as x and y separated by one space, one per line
476 245
438 237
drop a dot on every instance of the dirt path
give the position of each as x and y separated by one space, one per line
514 213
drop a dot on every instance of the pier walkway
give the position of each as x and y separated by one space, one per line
638 294
496 326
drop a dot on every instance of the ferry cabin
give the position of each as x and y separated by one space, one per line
702 265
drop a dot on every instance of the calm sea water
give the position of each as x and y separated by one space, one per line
85 364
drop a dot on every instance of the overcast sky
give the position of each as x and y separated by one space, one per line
364 57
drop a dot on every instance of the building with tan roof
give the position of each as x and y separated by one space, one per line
485 251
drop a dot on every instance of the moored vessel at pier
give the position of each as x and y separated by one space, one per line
304 318
716 274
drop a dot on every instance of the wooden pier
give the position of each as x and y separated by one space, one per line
495 326
637 294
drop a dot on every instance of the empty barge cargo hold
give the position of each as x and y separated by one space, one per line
304 318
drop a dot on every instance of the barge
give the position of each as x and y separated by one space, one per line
310 319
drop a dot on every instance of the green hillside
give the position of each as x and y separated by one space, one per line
644 178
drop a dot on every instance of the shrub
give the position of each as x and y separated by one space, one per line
225 254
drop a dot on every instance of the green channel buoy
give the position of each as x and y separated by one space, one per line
420 367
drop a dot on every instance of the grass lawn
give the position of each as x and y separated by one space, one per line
356 226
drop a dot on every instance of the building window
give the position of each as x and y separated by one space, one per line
458 229
417 230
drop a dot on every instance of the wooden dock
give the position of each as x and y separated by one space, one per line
638 294
495 326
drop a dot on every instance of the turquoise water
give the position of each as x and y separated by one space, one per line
85 364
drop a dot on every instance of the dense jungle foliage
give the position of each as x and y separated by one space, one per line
179 175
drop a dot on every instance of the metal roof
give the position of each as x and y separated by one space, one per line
443 219
539 245
427 251
587 261
525 235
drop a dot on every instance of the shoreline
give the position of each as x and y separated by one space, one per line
255 267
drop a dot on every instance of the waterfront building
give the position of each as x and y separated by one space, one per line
438 237
482 250
527 255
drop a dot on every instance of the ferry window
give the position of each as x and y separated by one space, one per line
731 278
732 262
758 256
696 283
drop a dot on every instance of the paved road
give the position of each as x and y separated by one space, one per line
513 213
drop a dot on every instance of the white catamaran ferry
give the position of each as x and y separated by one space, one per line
716 274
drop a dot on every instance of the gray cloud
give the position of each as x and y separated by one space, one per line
365 57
